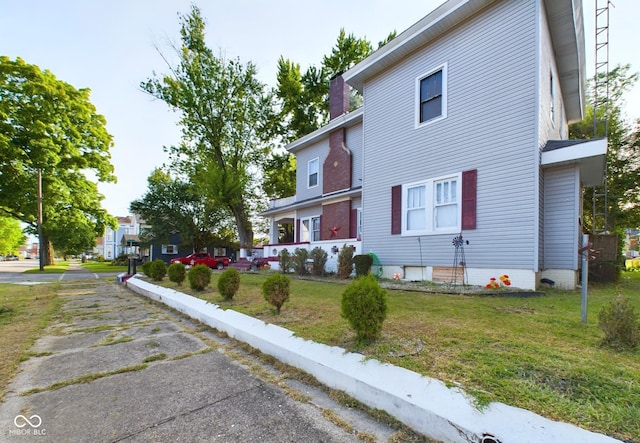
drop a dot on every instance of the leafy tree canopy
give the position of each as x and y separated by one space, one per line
48 125
172 206
225 115
623 152
11 236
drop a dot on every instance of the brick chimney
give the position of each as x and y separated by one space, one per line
338 97
336 171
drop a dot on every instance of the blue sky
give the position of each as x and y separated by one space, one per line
110 47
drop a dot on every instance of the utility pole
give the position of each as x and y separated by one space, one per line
40 242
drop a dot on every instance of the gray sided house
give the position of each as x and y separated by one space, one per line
463 132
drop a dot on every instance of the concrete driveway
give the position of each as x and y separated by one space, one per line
116 367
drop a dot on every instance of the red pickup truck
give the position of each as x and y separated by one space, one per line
202 258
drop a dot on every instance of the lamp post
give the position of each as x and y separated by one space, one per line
40 242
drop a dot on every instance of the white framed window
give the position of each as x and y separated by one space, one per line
313 172
432 206
170 249
310 229
431 96
446 204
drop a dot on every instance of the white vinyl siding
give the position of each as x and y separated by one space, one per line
561 228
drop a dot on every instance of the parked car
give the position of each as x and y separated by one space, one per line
202 258
12 258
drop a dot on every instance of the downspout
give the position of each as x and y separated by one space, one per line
536 151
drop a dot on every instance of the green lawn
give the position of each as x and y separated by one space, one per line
532 353
98 267
59 267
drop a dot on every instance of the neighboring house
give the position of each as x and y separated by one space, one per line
463 132
124 240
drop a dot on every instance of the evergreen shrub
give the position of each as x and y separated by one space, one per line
364 306
300 257
177 272
229 283
199 277
157 270
145 268
284 260
363 264
319 257
275 289
345 262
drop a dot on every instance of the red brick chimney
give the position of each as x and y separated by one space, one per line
338 97
336 171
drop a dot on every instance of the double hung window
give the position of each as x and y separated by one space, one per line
313 170
431 96
431 206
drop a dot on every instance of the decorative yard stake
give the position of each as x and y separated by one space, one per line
459 260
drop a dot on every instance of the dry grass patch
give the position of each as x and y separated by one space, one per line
24 312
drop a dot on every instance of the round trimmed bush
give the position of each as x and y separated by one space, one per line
145 268
177 272
229 283
364 306
275 289
199 277
157 269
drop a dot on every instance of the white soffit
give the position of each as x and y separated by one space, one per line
590 156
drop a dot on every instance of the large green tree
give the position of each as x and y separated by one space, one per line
623 153
225 115
173 206
48 125
11 236
303 99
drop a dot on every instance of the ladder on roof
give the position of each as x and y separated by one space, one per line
600 213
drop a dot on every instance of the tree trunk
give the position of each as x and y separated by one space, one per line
47 255
245 231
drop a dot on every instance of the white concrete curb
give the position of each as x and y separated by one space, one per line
424 404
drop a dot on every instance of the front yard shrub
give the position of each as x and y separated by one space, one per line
145 268
620 324
229 283
284 260
363 264
177 273
157 269
300 257
121 260
276 290
199 277
364 306
319 257
345 262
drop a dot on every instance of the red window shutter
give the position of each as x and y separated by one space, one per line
469 191
353 224
396 210
297 230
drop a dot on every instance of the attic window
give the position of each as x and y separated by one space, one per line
432 95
